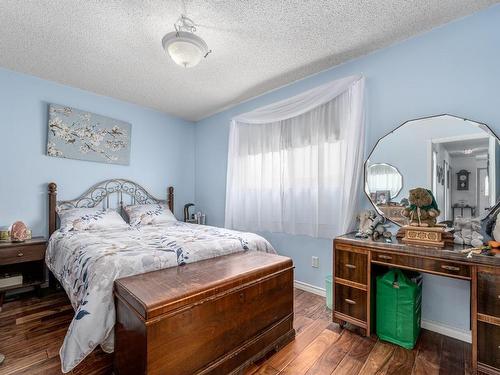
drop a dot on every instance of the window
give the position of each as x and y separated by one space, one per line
297 175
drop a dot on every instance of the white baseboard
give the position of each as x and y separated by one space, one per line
310 288
443 329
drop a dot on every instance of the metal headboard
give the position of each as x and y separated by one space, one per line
105 193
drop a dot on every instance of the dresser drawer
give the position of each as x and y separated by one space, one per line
488 344
20 254
352 266
424 264
350 301
488 294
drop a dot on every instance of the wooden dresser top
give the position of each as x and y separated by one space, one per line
449 252
157 292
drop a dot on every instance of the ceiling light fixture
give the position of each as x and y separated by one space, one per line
183 46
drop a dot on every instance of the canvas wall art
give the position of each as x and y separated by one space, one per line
81 135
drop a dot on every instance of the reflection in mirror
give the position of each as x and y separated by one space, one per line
458 159
383 177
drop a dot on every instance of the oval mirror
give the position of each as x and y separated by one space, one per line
383 178
458 159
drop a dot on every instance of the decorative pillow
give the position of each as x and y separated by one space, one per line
149 214
90 218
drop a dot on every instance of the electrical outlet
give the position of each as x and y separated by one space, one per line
315 262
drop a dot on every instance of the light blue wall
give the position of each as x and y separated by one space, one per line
453 69
161 149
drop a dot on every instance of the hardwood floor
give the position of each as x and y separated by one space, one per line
32 330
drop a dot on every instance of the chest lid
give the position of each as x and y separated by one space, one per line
155 293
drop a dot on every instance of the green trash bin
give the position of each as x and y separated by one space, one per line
399 307
329 293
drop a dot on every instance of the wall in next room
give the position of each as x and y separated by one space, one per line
452 69
160 150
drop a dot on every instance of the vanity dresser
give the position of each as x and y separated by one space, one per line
357 262
428 152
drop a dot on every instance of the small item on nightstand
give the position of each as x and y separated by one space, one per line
4 234
187 217
197 218
11 279
19 232
200 218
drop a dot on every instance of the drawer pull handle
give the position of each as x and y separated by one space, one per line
351 266
388 257
450 268
350 301
19 254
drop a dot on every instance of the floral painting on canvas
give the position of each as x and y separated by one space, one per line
81 135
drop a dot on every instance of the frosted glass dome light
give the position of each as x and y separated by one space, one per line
183 46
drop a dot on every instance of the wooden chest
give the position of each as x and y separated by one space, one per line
211 317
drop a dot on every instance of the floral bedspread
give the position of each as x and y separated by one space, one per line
86 263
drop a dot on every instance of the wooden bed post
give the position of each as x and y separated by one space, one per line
52 207
170 198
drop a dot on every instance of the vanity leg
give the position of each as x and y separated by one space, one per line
473 315
2 297
341 323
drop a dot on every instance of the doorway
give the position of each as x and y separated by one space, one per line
483 193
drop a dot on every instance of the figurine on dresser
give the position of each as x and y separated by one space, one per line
422 213
371 225
423 210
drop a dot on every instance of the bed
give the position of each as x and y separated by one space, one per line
86 263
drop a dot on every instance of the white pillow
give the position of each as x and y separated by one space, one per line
149 214
90 218
495 233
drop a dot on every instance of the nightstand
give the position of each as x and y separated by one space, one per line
26 258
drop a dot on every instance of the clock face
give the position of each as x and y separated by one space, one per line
463 180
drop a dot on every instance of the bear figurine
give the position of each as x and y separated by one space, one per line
423 210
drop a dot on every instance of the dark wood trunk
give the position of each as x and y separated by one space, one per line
209 317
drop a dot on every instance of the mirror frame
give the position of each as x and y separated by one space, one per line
495 207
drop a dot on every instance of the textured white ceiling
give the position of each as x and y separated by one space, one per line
114 47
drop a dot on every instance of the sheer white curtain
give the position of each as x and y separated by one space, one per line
296 166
